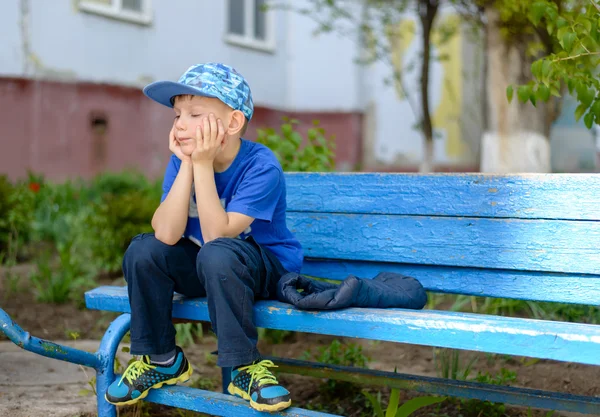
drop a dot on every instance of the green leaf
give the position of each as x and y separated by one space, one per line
393 404
524 92
546 68
589 119
536 69
585 22
417 403
585 95
538 10
509 93
543 93
533 99
375 403
571 85
596 109
561 22
567 41
579 111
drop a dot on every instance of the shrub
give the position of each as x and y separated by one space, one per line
16 207
111 224
316 155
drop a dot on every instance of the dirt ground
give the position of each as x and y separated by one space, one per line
57 322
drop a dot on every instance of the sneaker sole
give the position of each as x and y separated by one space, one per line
184 377
233 390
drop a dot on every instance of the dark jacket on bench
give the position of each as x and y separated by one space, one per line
386 290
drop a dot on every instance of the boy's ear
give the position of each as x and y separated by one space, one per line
236 124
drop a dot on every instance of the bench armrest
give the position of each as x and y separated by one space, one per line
45 348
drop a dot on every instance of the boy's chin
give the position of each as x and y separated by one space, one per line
187 150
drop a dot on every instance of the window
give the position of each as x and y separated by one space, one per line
136 11
248 24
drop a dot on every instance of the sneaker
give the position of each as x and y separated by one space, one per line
255 383
141 376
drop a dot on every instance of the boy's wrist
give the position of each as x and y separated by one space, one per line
204 165
186 165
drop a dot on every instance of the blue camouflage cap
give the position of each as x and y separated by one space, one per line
208 80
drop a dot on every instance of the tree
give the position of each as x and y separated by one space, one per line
535 45
375 23
574 30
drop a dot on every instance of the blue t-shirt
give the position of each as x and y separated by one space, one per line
253 185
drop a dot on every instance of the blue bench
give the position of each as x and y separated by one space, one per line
532 237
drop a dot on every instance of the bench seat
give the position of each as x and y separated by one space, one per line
561 341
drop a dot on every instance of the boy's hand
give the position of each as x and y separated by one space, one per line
175 147
210 136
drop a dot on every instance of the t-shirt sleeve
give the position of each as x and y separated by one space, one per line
258 194
170 174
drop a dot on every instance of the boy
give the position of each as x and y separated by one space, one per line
220 232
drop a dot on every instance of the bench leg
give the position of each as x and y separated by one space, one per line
226 377
105 375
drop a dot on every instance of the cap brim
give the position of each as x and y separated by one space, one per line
163 91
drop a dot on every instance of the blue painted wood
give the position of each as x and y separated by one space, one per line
44 347
572 342
107 353
217 404
521 285
531 196
532 245
519 396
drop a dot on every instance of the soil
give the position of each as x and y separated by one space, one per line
59 321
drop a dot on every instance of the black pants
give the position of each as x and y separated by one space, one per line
231 273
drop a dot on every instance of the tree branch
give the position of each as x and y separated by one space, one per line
568 58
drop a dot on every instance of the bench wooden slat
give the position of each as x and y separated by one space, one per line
520 285
514 244
572 342
532 196
217 404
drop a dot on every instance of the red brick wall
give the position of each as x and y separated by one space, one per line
79 129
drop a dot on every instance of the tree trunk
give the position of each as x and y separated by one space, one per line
518 133
427 12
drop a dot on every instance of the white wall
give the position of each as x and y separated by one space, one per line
323 75
303 73
11 56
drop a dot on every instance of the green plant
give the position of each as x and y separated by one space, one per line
342 354
448 364
16 207
55 207
274 336
332 391
394 409
573 31
487 408
111 224
186 332
295 153
57 285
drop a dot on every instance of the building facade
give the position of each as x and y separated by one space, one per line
71 73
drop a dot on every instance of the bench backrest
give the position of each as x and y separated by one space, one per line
532 237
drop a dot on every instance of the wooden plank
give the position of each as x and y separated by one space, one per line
217 404
520 285
532 196
514 244
549 400
571 342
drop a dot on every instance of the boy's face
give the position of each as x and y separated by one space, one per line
189 113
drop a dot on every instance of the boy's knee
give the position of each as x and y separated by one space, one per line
216 255
143 250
